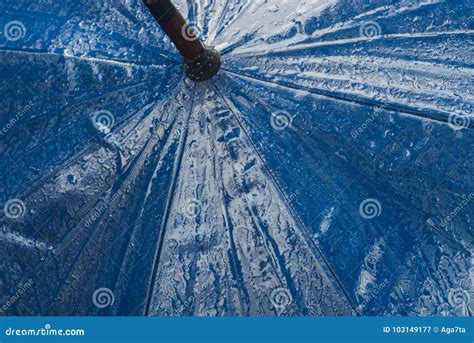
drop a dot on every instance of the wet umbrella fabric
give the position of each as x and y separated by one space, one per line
327 169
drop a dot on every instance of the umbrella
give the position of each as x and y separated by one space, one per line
325 170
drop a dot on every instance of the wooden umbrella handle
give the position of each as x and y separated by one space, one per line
176 28
201 62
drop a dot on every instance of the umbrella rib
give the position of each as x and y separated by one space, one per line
81 100
118 183
89 143
86 58
122 180
235 265
310 43
442 117
236 17
298 219
98 94
76 153
167 211
216 30
232 47
141 209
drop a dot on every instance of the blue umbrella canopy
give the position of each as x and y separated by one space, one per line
326 170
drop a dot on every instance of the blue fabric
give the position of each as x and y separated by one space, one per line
327 169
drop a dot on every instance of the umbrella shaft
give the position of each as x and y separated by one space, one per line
176 28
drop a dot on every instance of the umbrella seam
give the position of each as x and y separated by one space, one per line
167 211
364 102
298 219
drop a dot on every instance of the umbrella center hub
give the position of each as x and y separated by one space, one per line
204 67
